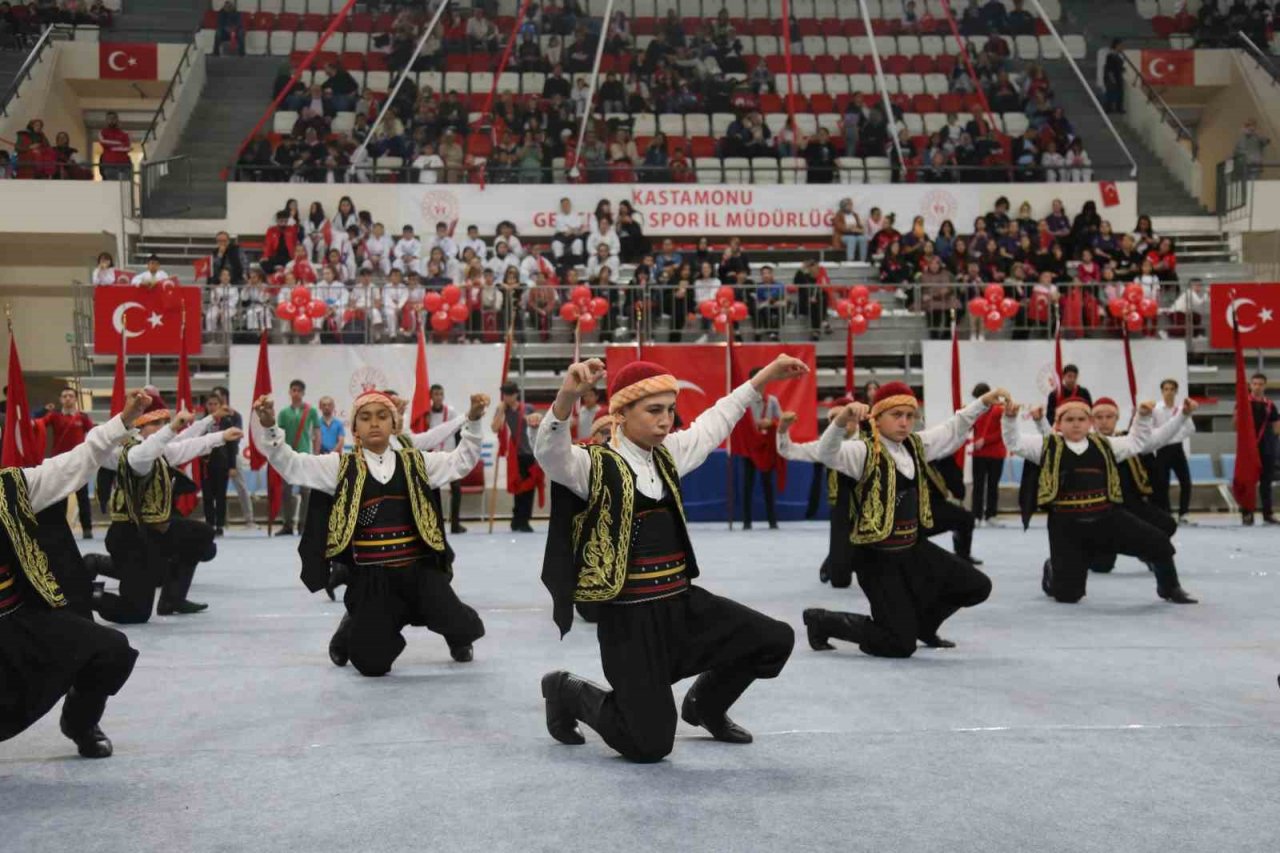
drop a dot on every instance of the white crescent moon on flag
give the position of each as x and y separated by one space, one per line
117 318
1155 68
111 60
1233 315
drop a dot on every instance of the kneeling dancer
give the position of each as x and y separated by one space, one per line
385 525
1074 475
912 585
46 650
621 541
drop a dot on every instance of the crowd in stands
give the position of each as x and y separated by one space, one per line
35 157
691 68
1216 24
21 22
373 278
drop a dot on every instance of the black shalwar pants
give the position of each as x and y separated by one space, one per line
647 647
1077 541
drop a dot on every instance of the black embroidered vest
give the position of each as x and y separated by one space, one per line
142 498
26 562
353 489
875 504
1075 483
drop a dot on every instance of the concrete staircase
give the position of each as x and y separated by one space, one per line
1109 162
237 91
10 62
1159 192
168 21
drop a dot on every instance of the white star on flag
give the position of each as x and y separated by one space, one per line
1264 315
155 320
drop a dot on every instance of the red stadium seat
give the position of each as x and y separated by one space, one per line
352 61
770 103
480 62
776 64
801 64
359 22
852 27
883 27
902 102
376 62
822 103
324 58
210 20
945 64
850 64
807 27
645 26
765 27
825 65
691 25
924 104
383 22
922 64
1163 25
896 64
479 145
455 62
314 23
703 146
288 22
950 103
297 57
260 21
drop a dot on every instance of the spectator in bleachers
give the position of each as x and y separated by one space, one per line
849 233
224 297
507 234
104 272
1163 260
820 158
115 163
1113 77
301 269
1144 235
944 240
280 243
771 303
152 275
340 88
654 169
1190 311
229 28
602 257
226 256
482 35
971 20
1250 147
704 288
342 260
501 261
1079 166
938 297
452 154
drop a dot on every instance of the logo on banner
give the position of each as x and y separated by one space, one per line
367 379
121 61
440 206
1047 379
939 205
1170 67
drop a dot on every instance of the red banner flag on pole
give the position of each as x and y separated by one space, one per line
420 409
1057 360
21 447
1248 471
848 361
184 504
1133 379
262 386
118 391
957 398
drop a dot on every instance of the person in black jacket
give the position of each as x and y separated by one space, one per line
634 245
226 256
1071 387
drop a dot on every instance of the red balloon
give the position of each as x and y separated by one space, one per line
844 308
286 311
994 320
440 321
569 312
1133 321
873 310
451 293
459 313
599 306
725 296
707 308
1116 307
581 296
978 306
1008 307
432 301
317 309
1149 308
587 323
858 324
993 293
720 322
859 294
738 312
303 325
1133 293
300 296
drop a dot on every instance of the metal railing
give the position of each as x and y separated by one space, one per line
24 72
151 174
1264 59
169 97
1166 112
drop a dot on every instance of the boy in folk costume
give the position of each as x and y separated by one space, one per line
385 524
47 651
150 545
913 586
620 540
1075 475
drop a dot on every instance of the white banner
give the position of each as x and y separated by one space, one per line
687 210
1026 369
343 372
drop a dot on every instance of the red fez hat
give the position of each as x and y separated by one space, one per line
155 411
638 380
1105 403
1068 403
893 394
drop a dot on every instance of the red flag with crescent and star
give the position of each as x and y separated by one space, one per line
128 61
1255 307
152 316
1169 67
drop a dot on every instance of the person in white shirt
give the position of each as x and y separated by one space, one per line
395 295
1078 482
444 420
655 625
567 246
600 260
589 409
393 533
507 234
104 271
475 244
443 242
1171 458
533 264
377 251
224 297
366 300
333 293
500 261
51 650
604 235
152 275
1053 162
429 165
912 585
1189 313
255 302
407 252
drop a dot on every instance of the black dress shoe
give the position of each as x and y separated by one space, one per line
1046 579
823 575
457 528
88 534
1270 519
723 729
338 652
462 654
90 744
817 637
933 641
557 689
971 560
217 531
1177 595
182 608
1247 519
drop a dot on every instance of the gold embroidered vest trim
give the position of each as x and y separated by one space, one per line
142 498
352 471
19 522
1051 469
871 514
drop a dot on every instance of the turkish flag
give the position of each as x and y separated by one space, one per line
1169 67
152 317
700 368
127 61
1110 193
202 268
1256 307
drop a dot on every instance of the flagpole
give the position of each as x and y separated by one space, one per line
493 493
728 441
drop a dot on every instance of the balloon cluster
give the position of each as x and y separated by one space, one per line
724 310
993 307
301 311
446 307
584 309
1133 307
858 309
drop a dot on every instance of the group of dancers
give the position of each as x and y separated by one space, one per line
619 549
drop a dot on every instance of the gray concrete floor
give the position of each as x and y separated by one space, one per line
1119 724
